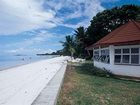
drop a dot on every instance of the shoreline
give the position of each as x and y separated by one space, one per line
25 63
21 85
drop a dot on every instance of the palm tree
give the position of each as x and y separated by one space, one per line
81 41
69 45
80 35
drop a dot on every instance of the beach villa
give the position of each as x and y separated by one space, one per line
119 51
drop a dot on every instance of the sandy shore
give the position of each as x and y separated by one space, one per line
22 84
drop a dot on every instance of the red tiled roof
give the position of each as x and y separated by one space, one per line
128 33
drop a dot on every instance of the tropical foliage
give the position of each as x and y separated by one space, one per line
69 45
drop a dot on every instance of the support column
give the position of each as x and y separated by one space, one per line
93 56
99 51
111 54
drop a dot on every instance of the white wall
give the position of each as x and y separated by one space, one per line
126 70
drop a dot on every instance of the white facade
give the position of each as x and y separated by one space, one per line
125 69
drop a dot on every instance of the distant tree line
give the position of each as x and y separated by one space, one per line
100 25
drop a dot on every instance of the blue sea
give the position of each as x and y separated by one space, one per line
8 61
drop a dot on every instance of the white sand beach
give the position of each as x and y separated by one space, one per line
21 85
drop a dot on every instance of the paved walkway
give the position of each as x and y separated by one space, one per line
49 94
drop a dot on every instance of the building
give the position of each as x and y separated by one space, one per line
119 51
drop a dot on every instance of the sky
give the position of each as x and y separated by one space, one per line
38 26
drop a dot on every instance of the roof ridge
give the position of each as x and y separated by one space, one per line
136 24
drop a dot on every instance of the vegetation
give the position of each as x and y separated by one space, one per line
101 24
84 87
59 52
69 45
88 66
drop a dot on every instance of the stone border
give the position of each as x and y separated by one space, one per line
50 93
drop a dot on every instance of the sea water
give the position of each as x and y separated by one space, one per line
8 61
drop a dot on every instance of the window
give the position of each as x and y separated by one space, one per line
135 59
102 55
127 56
117 58
126 51
96 55
135 55
134 50
105 56
117 51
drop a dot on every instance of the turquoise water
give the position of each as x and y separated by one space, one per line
8 61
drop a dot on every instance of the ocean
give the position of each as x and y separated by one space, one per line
9 61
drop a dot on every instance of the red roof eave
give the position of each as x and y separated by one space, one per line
117 43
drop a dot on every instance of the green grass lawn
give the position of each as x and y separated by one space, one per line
82 87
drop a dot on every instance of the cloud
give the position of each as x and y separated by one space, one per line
29 51
87 8
14 50
23 15
80 8
26 15
40 51
50 51
84 23
36 39
39 43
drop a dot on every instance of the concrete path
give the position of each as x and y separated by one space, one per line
49 94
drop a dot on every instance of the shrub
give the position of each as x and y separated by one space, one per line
88 68
102 72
